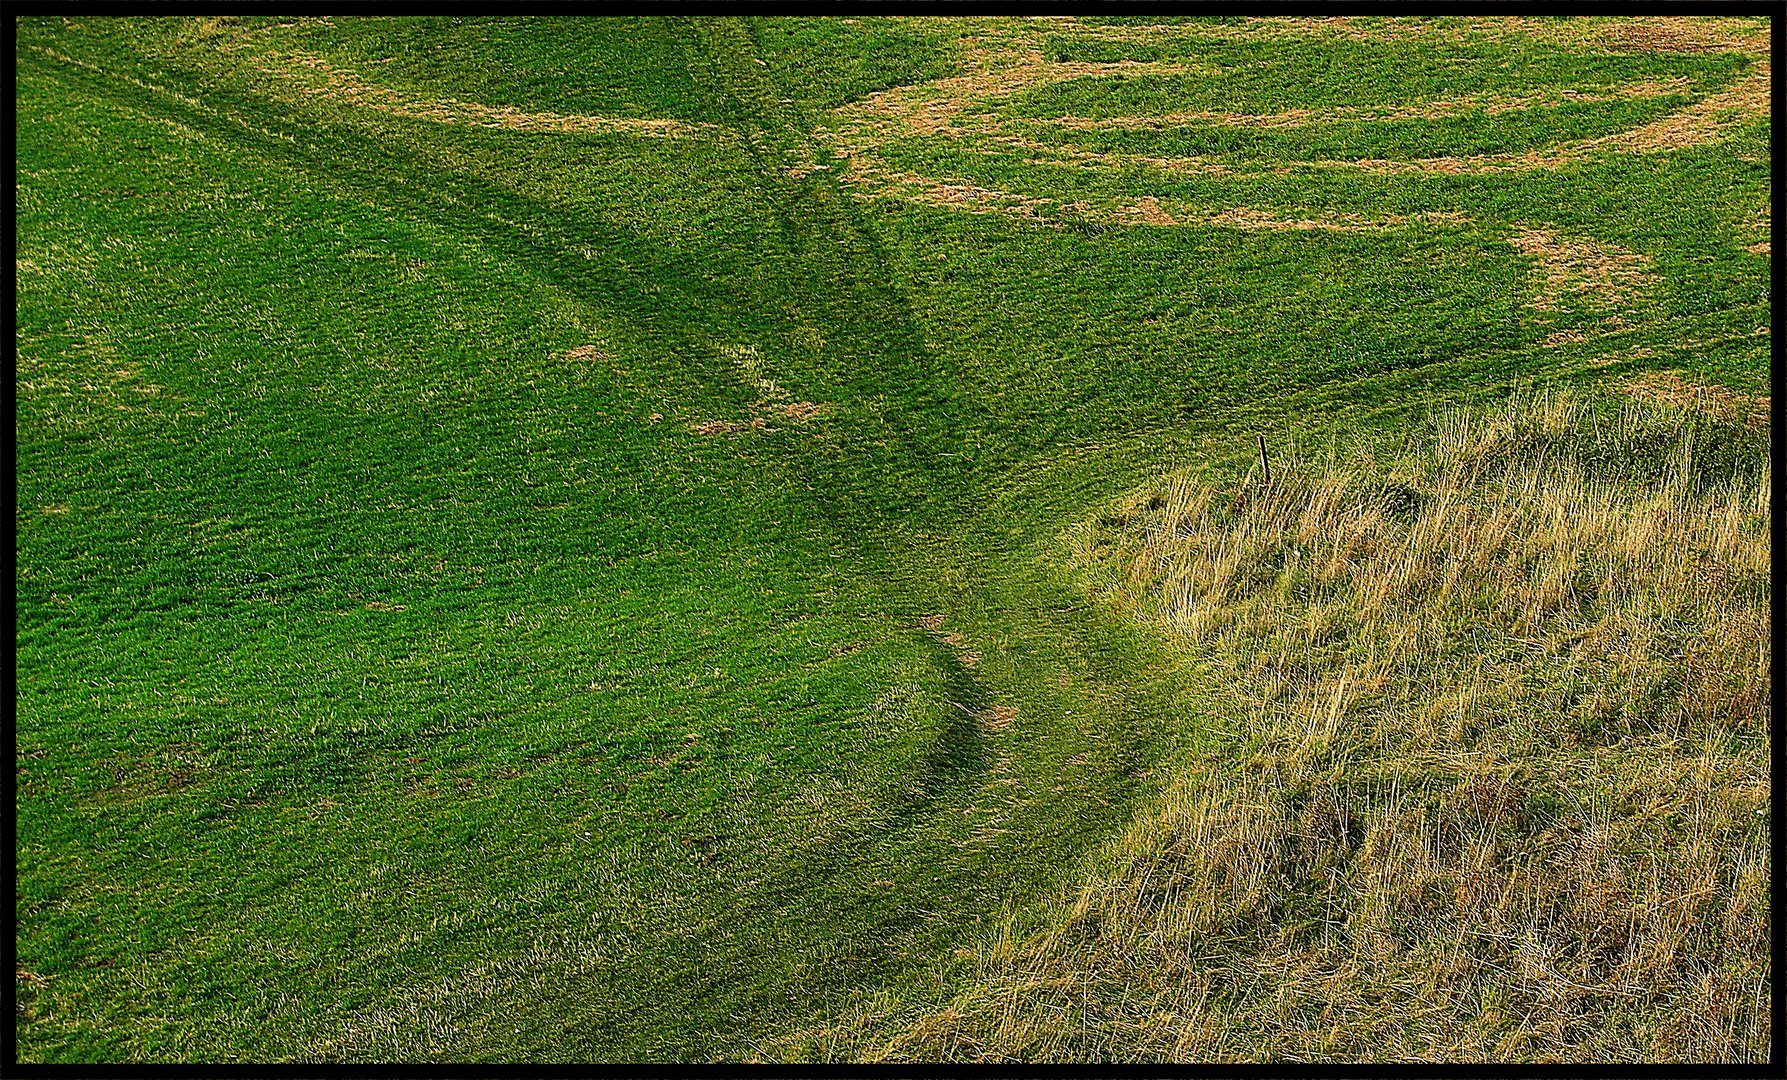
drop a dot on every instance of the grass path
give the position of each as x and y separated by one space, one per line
816 914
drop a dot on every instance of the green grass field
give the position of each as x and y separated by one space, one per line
552 539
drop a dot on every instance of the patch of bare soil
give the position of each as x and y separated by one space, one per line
1719 402
1570 269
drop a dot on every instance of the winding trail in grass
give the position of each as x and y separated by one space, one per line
914 514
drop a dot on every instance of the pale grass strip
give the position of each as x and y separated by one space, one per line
314 76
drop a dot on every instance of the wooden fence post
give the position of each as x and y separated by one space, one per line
1265 470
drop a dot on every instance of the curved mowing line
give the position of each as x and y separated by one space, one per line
1486 104
956 193
1658 34
1007 59
314 76
1707 120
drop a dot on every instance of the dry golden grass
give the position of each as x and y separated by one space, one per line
797 410
867 181
1708 120
1248 219
587 352
1500 781
1705 121
1716 401
729 427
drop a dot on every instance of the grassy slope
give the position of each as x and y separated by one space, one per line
1495 785
655 759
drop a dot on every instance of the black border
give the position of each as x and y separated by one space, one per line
1777 376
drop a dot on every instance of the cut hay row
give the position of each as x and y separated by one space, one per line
867 182
1007 58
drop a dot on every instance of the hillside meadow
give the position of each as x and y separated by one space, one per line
576 539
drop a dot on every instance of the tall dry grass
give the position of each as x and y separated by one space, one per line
1500 781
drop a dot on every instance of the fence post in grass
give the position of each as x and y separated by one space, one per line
1265 470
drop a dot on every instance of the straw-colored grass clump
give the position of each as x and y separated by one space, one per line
1499 779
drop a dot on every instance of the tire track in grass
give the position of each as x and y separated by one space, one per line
365 168
847 856
1005 621
660 1021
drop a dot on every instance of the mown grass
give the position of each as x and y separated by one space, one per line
403 674
1499 782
